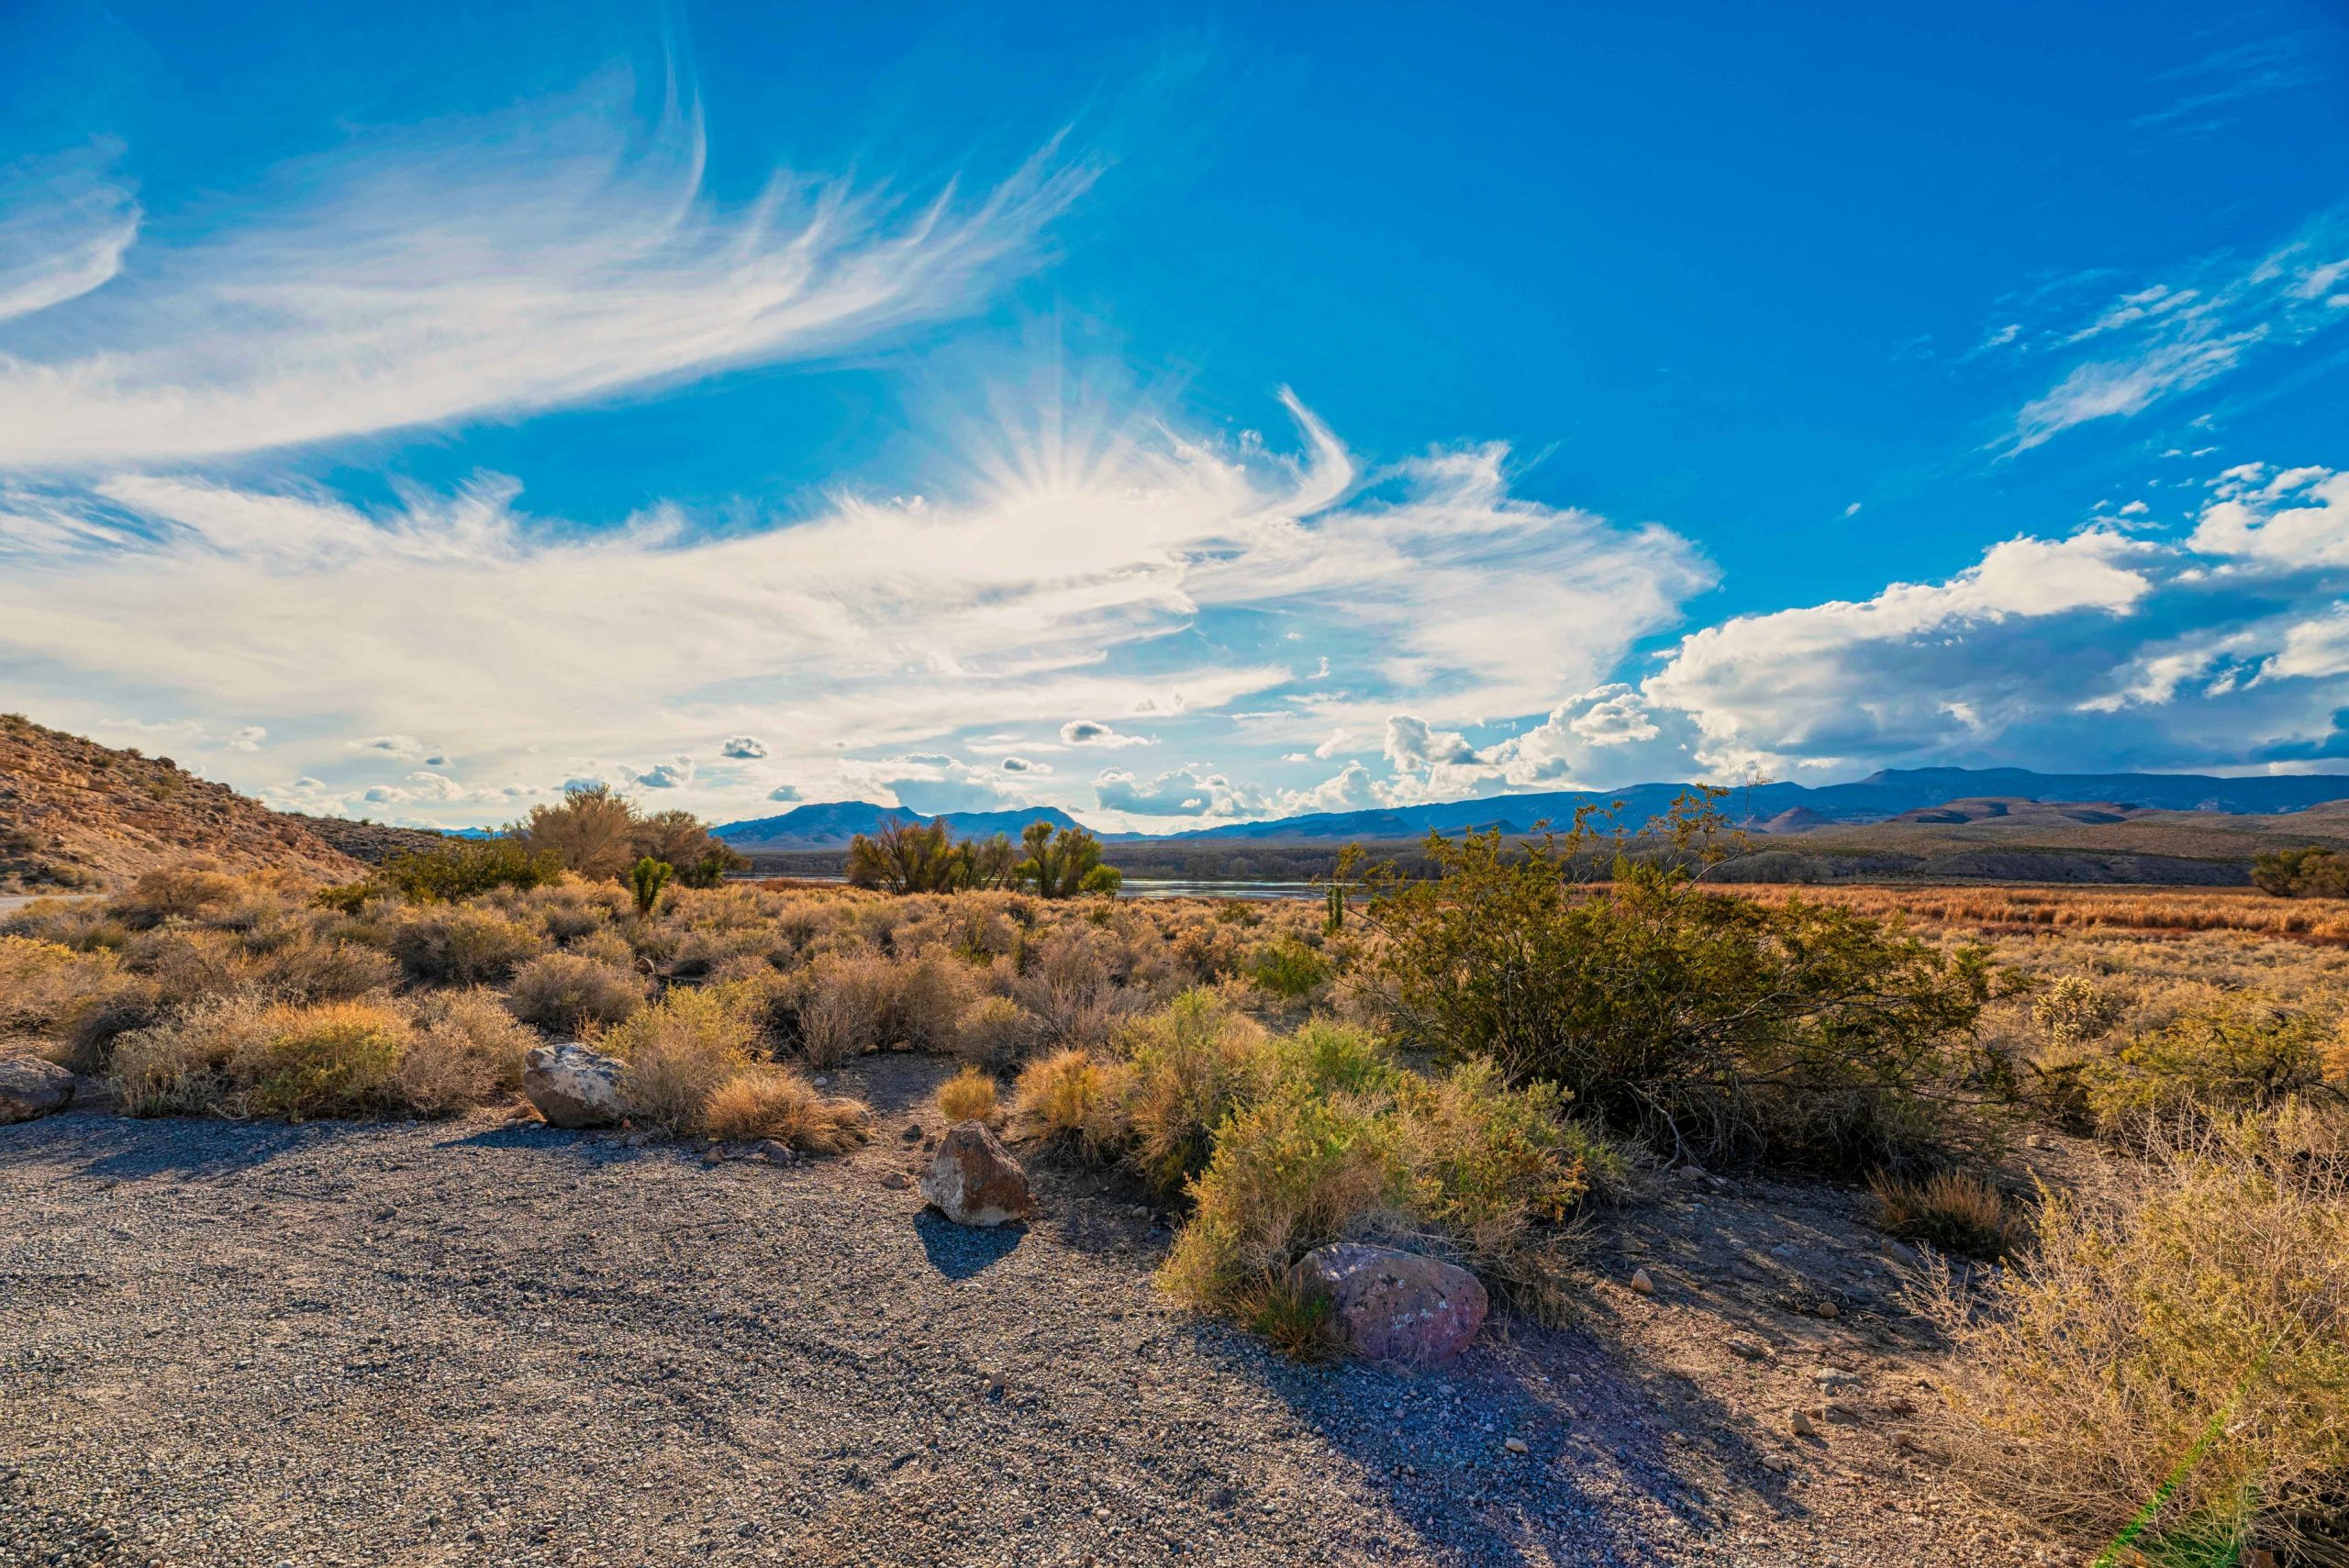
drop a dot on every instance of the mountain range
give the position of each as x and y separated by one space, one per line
1770 807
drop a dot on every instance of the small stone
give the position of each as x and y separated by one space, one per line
1800 1423
1752 1349
573 1086
912 1134
1828 1309
1778 1463
1390 1305
897 1181
1641 1283
1515 1445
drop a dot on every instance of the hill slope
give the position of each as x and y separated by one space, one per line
830 824
74 814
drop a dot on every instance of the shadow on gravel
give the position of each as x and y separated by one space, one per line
957 1252
125 1149
1434 1442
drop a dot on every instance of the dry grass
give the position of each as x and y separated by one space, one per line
1072 1098
969 1095
1995 910
678 1053
779 1104
1954 1211
2198 1329
571 994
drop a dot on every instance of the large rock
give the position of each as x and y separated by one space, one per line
974 1180
30 1087
573 1086
1388 1305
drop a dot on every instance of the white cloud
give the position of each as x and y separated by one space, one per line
2299 519
785 792
1352 788
248 738
457 269
64 225
1193 790
405 747
743 747
1086 732
675 774
2170 339
1412 746
1880 674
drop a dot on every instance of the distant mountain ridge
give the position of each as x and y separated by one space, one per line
829 825
1876 798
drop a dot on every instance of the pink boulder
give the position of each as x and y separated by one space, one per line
1388 1305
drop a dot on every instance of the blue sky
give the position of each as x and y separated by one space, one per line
1172 415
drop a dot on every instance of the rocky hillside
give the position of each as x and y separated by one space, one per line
373 842
74 814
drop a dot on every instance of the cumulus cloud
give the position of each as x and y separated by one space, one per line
1023 765
1857 678
1086 732
405 747
1352 788
554 253
248 738
1412 745
785 792
743 746
672 774
1193 790
2296 519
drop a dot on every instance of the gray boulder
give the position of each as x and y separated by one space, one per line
1388 1305
30 1087
573 1086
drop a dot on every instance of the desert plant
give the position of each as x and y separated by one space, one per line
570 995
592 832
1073 1099
1492 1167
1791 1030
330 1060
43 984
678 1051
1064 863
680 840
1289 969
1952 1210
2311 872
179 1065
463 944
969 1095
467 1051
776 1103
1194 1063
2175 1362
2075 1010
2231 1054
994 1033
646 882
466 868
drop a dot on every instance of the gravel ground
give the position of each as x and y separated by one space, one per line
249 1345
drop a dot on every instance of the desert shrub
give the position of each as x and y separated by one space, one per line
179 1065
969 1095
1070 989
1789 1030
566 919
309 968
923 857
1064 863
845 1001
592 832
1073 1099
2075 1010
463 945
678 1051
779 1104
179 891
605 947
569 994
927 1002
465 1051
330 1060
2229 1054
1492 1168
679 838
1952 1210
465 869
1194 1061
994 1031
1289 1173
2311 872
1289 969
43 983
2183 1352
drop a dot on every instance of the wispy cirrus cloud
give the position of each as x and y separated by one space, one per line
2153 343
65 222
559 252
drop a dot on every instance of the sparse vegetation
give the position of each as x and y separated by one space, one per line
1956 1211
969 1095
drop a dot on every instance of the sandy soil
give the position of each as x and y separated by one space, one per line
241 1345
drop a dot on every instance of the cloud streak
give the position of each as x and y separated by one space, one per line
465 269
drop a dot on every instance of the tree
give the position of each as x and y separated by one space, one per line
681 839
924 857
1063 864
592 832
462 868
2312 872
647 881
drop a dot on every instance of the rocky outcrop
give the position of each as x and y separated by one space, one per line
573 1086
974 1180
1388 1305
30 1087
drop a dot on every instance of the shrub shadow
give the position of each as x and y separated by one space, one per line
960 1251
124 1149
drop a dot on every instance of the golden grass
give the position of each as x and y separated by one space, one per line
969 1095
1995 909
779 1104
1952 1210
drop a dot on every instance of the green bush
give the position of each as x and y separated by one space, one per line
2312 872
460 870
1786 1030
1289 969
333 1060
2233 1054
463 945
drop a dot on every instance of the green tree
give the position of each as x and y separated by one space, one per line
2311 872
592 832
1063 864
463 868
